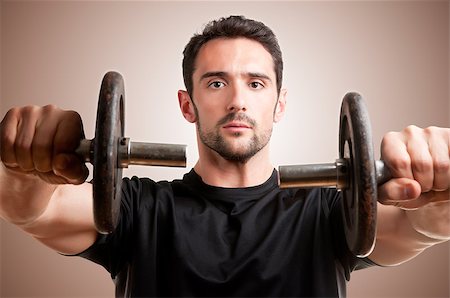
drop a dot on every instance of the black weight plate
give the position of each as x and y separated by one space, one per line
107 175
360 197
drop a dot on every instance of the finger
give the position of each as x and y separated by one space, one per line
402 193
67 138
25 134
70 167
8 136
68 133
436 196
439 144
421 160
406 194
42 147
395 154
426 199
398 190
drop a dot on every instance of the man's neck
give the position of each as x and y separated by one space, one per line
217 171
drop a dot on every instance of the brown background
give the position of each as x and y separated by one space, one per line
395 53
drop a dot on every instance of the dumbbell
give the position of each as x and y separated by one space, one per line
356 173
109 152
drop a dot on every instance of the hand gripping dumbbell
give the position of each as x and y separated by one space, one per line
110 151
356 173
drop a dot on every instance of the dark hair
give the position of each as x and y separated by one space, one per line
232 27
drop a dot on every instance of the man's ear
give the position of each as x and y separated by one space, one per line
186 106
281 106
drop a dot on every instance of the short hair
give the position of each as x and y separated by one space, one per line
232 27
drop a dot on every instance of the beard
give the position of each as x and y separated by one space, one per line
242 153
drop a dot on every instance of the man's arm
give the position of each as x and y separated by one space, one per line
414 209
41 180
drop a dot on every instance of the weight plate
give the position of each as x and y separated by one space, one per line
107 175
360 197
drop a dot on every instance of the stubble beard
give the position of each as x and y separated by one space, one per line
216 141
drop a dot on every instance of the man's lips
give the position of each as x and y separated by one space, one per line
237 125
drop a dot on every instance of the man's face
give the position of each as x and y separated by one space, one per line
234 97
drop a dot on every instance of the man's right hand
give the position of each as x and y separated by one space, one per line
37 191
42 141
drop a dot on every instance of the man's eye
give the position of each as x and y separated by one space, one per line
216 84
256 85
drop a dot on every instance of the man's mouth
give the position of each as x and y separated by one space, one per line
236 122
237 125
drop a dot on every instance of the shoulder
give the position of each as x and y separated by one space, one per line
138 189
143 186
144 192
327 199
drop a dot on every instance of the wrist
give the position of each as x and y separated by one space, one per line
23 196
431 220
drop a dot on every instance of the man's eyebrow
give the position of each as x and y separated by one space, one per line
224 74
259 75
210 74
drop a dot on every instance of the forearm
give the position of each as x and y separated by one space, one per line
23 197
399 238
59 216
432 220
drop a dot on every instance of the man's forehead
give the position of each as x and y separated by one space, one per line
234 55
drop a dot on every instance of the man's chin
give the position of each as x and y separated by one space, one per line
240 156
237 158
233 148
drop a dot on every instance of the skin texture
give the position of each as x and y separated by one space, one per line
234 107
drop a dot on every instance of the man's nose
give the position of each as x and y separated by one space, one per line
237 99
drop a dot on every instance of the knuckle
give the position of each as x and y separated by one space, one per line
10 117
13 112
390 136
76 123
29 109
69 131
74 116
51 111
50 108
411 130
432 131
401 163
389 139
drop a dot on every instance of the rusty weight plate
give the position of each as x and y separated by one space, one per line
107 174
360 197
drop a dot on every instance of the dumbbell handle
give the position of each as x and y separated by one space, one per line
138 153
325 175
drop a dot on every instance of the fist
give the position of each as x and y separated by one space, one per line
419 160
42 141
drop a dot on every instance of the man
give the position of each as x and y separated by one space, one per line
225 229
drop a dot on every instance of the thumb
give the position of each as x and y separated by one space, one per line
70 167
398 191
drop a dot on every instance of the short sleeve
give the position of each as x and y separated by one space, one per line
112 251
347 259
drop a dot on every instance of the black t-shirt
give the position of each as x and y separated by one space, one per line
186 238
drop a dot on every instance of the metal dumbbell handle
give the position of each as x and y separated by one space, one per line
335 174
138 153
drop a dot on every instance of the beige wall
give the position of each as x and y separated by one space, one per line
394 53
